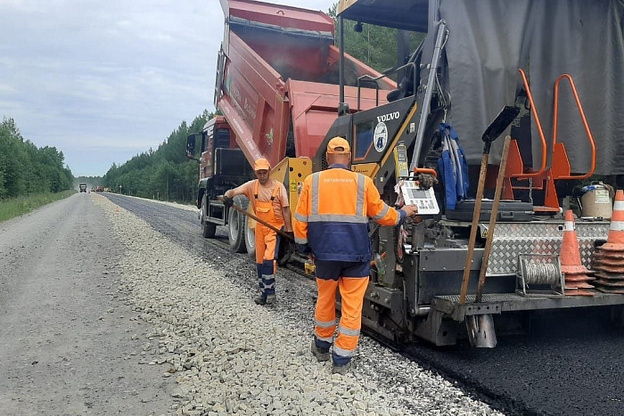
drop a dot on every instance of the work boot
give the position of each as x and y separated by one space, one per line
270 299
321 354
341 369
260 299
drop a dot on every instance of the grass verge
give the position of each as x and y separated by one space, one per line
14 207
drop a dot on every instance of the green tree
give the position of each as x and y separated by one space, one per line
164 173
375 46
26 169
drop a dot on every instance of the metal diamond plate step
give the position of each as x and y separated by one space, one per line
543 237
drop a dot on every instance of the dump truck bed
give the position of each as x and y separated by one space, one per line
278 79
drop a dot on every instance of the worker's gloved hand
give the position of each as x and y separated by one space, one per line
426 180
291 236
303 249
410 210
227 201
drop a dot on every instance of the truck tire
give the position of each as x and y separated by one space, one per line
208 229
236 225
250 239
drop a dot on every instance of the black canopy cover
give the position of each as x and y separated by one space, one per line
489 40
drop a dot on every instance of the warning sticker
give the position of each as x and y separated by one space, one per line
602 196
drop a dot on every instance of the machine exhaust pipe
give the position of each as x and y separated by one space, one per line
481 331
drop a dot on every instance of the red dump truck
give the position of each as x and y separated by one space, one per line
277 88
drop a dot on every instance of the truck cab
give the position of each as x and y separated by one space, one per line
222 166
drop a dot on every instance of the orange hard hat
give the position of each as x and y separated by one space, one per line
262 164
338 146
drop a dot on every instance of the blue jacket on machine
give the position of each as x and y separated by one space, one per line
453 167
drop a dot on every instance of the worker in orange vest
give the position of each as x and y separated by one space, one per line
269 202
331 225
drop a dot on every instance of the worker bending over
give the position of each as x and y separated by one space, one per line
331 224
269 202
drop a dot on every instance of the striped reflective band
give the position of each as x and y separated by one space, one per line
326 324
342 352
618 206
354 219
383 213
360 196
315 194
348 331
301 218
301 240
617 226
569 226
268 279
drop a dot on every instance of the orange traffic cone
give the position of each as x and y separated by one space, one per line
609 258
615 241
575 273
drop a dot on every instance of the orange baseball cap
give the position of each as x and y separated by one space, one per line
262 164
338 146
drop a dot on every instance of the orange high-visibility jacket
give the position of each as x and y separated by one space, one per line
333 212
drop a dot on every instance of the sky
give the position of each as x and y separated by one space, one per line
103 81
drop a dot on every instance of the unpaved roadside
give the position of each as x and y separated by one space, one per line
69 344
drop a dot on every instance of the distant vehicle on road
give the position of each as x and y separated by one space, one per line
99 189
83 187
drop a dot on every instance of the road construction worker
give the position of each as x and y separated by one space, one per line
331 225
269 202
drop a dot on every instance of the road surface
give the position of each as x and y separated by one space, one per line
69 343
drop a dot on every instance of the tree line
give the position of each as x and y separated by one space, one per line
165 173
375 46
26 169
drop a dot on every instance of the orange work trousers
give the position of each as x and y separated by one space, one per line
266 246
266 243
352 291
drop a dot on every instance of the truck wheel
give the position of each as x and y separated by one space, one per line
250 240
208 229
236 226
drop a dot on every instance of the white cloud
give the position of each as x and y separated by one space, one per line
5 88
105 80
